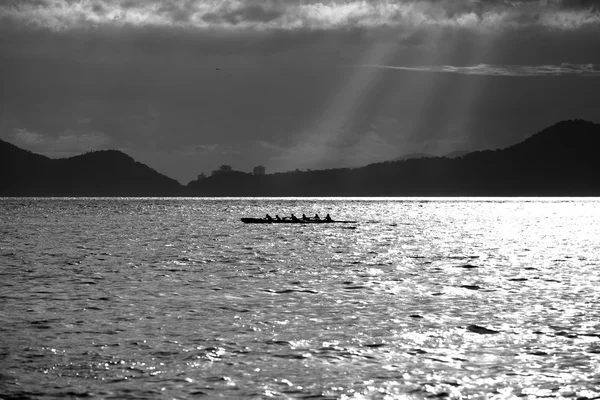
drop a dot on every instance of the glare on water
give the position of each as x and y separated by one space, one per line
177 298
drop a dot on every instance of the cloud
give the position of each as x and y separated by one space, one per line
67 144
27 138
502 70
371 147
307 15
352 149
198 149
253 13
213 150
270 146
205 148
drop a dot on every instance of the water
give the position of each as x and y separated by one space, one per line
176 298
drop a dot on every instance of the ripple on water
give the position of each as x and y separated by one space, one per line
153 298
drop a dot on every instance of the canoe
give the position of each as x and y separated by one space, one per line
289 221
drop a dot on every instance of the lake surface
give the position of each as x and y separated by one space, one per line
176 298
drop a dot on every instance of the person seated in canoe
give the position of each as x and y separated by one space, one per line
305 218
317 218
294 218
277 217
269 218
328 218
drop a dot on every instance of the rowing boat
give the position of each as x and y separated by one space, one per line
290 221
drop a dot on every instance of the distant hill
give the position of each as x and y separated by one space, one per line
454 154
413 155
99 173
457 153
562 160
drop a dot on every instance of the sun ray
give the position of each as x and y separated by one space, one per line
455 125
328 130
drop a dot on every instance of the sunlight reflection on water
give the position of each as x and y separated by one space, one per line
176 298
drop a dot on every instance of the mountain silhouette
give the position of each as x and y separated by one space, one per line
413 155
99 173
456 153
561 160
453 154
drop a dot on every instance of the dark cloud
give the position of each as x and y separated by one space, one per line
176 11
248 13
99 9
306 15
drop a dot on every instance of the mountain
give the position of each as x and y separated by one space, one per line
561 160
454 154
413 155
457 153
99 173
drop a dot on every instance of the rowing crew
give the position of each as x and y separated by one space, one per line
296 219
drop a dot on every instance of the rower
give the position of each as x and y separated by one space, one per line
269 218
277 217
304 217
317 218
328 218
294 218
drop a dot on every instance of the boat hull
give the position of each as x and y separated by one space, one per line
289 221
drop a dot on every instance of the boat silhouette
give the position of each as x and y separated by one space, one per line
291 221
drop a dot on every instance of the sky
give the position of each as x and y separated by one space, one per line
186 86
